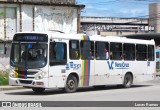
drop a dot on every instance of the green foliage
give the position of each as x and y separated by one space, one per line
3 78
2 13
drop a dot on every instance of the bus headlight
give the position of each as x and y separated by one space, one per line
12 74
40 75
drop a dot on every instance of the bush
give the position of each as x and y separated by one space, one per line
3 78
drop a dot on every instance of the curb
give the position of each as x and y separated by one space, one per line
6 88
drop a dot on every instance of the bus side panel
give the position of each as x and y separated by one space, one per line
131 68
56 76
140 71
106 73
84 69
151 67
87 73
101 72
151 70
114 72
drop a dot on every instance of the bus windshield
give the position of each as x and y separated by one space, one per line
29 55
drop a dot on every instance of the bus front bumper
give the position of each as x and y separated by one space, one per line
29 82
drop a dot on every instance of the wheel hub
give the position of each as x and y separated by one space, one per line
71 84
128 81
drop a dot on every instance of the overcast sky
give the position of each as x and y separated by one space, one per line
116 8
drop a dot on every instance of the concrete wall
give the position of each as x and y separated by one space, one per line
4 58
42 1
115 26
56 18
154 16
15 18
114 20
8 22
115 33
26 17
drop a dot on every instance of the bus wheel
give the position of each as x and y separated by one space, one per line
71 84
127 81
38 90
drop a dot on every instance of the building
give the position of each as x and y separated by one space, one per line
114 26
154 16
35 15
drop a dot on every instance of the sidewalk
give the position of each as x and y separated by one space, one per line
4 88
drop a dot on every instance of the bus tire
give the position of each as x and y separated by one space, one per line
38 90
128 80
71 84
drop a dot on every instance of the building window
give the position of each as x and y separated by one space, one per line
141 52
128 52
151 53
74 49
87 50
115 51
102 50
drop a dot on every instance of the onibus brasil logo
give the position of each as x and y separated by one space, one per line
115 65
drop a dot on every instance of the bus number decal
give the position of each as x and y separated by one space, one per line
71 65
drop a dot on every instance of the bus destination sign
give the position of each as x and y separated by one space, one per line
31 38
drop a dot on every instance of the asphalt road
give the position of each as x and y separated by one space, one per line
146 91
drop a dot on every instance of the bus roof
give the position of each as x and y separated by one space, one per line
145 36
60 35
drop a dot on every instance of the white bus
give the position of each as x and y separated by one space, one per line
57 60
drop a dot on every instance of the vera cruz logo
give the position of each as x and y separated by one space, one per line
110 65
115 65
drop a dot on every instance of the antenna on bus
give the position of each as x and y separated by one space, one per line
56 31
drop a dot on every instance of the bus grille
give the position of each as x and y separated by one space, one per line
31 72
25 81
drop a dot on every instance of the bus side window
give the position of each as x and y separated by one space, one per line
116 49
74 49
141 52
102 50
151 53
128 51
87 50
